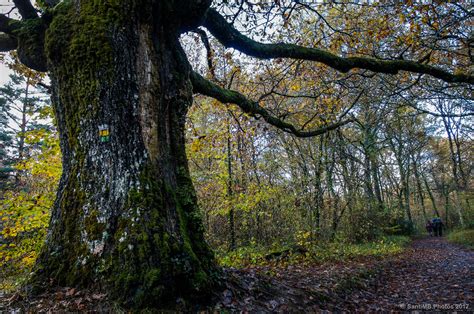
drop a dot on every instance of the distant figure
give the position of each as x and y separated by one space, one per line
437 227
429 227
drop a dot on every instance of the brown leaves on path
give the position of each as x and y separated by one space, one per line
431 274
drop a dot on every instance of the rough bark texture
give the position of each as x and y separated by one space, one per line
125 218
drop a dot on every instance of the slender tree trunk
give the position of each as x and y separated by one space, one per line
430 194
446 204
406 189
458 206
125 217
22 133
24 112
420 189
332 195
348 184
229 188
371 151
404 197
456 166
319 191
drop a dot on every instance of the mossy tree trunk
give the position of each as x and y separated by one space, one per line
125 218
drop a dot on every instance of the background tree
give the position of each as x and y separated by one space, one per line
6 139
24 103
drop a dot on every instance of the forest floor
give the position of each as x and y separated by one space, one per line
431 274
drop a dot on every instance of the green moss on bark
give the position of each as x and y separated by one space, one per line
146 245
80 55
30 34
153 265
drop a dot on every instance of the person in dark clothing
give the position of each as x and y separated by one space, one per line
437 227
429 228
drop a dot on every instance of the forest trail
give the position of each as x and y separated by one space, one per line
431 274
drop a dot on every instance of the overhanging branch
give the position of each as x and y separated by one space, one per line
232 38
29 35
205 87
8 25
26 9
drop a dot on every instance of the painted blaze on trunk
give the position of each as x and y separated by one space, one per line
125 218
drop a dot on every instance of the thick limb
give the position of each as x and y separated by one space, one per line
205 87
232 38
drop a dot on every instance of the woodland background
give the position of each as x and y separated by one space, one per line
263 193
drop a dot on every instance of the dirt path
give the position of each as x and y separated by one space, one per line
431 274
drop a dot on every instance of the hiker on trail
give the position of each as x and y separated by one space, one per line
429 227
437 227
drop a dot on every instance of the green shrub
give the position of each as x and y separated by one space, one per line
401 227
319 253
462 237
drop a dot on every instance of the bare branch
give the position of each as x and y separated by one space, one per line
307 6
26 9
230 37
210 53
205 87
45 86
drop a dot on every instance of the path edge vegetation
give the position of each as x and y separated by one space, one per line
462 237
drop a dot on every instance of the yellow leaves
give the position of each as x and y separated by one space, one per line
459 71
404 77
24 214
415 28
24 227
196 145
33 76
7 232
29 260
295 87
402 18
303 238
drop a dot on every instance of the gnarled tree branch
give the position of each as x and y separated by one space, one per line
8 25
29 36
26 9
205 87
230 37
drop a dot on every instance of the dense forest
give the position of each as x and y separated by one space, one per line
157 154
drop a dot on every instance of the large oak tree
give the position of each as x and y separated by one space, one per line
125 218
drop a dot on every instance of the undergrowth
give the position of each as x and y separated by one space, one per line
464 237
312 253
